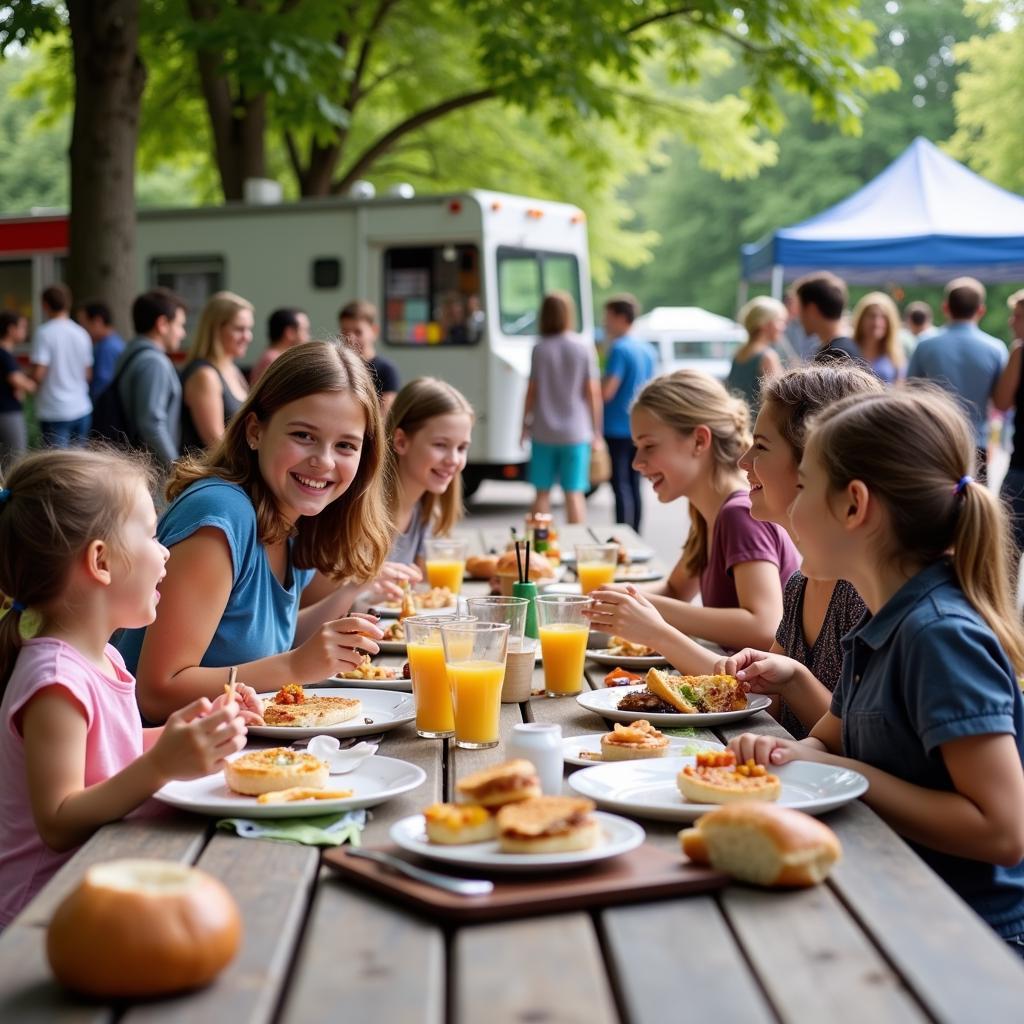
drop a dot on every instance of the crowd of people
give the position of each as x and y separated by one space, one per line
847 556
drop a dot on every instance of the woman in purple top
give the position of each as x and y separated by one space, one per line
817 613
689 433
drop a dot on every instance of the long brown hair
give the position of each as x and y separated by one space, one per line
891 344
792 398
419 401
220 309
351 537
688 399
911 448
52 506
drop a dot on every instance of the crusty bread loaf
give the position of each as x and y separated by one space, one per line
548 824
763 844
481 567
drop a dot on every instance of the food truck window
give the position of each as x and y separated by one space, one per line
194 278
525 277
432 295
16 286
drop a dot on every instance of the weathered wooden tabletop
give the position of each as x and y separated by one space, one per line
883 940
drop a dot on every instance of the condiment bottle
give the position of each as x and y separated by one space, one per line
541 745
528 589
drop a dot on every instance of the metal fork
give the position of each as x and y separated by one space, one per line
459 886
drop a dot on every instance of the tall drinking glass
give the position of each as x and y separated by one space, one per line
522 650
446 563
563 642
474 654
595 565
431 693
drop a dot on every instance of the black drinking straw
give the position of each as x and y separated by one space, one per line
527 562
519 559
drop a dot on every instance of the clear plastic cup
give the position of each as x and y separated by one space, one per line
563 642
475 654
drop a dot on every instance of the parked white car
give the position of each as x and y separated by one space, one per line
688 337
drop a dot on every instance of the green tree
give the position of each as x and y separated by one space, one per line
703 220
989 86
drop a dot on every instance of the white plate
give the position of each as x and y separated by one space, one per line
605 703
618 835
386 612
374 781
386 710
678 746
605 657
644 576
648 788
395 685
635 555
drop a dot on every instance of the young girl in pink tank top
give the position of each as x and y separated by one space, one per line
78 550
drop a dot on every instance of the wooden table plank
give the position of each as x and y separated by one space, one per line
825 957
956 965
363 959
540 969
271 882
680 953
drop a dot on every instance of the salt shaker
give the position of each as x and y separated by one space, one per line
542 746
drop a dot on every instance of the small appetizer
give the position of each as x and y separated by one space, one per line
716 778
632 742
456 824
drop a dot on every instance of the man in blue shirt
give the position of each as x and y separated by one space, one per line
963 359
629 366
107 345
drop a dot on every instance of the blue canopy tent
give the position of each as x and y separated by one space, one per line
925 219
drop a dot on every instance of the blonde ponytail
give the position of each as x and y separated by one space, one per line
688 399
913 448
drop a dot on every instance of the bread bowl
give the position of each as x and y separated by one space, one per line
139 928
763 844
266 771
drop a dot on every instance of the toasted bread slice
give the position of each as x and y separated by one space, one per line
548 824
662 685
505 783
456 824
313 712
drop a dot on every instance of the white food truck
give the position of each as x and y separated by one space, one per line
458 280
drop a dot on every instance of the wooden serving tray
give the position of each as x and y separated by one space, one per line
647 873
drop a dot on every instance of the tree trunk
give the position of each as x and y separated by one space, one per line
109 79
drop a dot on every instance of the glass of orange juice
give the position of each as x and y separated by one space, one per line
563 642
433 698
474 654
446 563
596 565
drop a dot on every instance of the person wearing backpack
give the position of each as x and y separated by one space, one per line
147 384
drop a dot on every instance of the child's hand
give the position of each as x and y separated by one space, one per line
337 646
250 707
197 739
759 671
771 750
388 584
626 613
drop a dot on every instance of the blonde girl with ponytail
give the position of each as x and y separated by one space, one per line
928 707
429 430
689 433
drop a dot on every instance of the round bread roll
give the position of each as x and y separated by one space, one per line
267 771
763 844
481 567
540 567
139 928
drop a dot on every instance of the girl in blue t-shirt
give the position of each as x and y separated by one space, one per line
928 705
264 531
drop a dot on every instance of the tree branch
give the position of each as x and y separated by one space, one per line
410 124
369 38
652 19
294 158
688 13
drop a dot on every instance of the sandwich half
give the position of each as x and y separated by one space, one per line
548 824
505 783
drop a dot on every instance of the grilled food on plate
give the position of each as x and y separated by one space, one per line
548 824
292 706
690 694
716 778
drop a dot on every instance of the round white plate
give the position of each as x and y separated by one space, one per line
388 612
648 788
641 575
605 657
605 703
618 835
374 781
635 555
678 746
395 685
382 710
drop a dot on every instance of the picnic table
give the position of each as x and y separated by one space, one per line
883 940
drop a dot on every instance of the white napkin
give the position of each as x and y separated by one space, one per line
327 748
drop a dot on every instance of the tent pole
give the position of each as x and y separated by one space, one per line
741 293
777 281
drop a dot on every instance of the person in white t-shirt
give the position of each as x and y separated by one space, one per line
62 367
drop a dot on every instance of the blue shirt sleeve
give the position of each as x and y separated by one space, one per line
225 507
616 364
957 682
